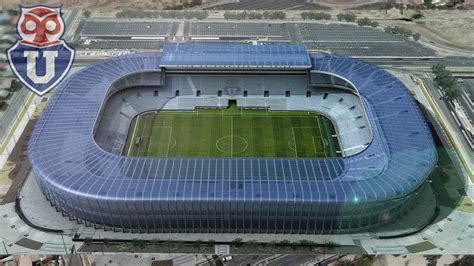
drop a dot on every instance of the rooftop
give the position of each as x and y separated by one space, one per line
228 56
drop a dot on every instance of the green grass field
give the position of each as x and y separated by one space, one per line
231 132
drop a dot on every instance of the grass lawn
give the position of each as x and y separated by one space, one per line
420 247
231 132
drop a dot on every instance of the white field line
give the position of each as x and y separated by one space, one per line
231 136
141 137
151 137
169 142
314 146
312 137
296 150
322 136
132 142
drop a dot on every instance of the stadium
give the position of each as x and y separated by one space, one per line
232 138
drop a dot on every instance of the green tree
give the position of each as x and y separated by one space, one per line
437 68
237 242
196 2
211 243
448 83
88 240
197 244
252 243
350 17
432 259
255 15
139 243
452 93
87 14
416 36
306 243
362 21
293 246
15 85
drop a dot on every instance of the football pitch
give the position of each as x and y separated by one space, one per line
231 132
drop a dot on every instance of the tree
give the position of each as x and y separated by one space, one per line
88 240
464 261
274 15
197 244
452 93
306 243
432 259
293 246
315 15
416 36
252 243
367 22
211 243
87 14
237 242
139 243
437 68
349 17
196 2
255 15
15 85
363 21
448 83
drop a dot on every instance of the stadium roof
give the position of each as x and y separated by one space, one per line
229 56
68 161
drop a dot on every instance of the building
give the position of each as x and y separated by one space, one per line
388 150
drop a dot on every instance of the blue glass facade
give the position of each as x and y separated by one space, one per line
271 195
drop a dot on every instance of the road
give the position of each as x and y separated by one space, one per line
455 133
443 48
294 260
450 61
274 260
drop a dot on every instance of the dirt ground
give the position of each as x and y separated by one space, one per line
448 27
453 25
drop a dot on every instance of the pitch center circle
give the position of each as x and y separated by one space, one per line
232 144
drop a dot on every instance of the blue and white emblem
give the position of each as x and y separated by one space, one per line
40 59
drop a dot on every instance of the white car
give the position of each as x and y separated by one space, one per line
226 258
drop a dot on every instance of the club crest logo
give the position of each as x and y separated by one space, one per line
40 59
232 87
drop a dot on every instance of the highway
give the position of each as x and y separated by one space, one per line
447 107
273 260
453 127
450 61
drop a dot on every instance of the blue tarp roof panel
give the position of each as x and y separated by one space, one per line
235 55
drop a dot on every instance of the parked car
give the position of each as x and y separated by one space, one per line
226 258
